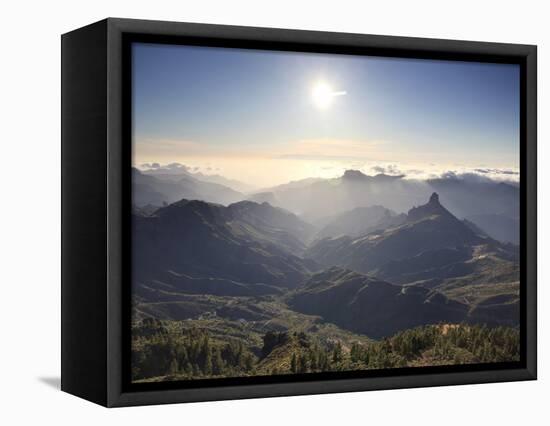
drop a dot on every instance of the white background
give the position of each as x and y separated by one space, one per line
30 212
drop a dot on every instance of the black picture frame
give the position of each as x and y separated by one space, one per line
96 151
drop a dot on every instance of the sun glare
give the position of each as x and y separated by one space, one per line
323 95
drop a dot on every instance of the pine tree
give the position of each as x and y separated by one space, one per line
313 359
293 363
355 352
302 364
337 353
208 363
174 366
248 362
196 371
217 363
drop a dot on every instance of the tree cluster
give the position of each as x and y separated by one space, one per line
191 353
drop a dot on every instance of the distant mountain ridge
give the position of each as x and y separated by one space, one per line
356 175
468 198
490 205
152 190
174 171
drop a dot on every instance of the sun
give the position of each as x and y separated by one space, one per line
323 95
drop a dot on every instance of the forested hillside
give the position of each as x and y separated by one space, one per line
166 351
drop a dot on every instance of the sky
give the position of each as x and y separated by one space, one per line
266 117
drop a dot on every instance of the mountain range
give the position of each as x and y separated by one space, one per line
489 205
266 290
434 250
401 270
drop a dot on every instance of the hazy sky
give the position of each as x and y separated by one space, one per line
270 117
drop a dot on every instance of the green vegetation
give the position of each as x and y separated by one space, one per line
159 350
445 344
171 350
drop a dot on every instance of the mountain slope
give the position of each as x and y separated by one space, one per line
428 227
371 306
275 224
376 308
194 246
360 221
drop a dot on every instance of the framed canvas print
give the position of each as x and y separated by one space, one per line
252 212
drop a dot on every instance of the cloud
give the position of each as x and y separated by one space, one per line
391 169
418 171
497 171
175 166
474 176
150 166
167 167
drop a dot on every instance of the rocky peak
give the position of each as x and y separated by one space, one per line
431 208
